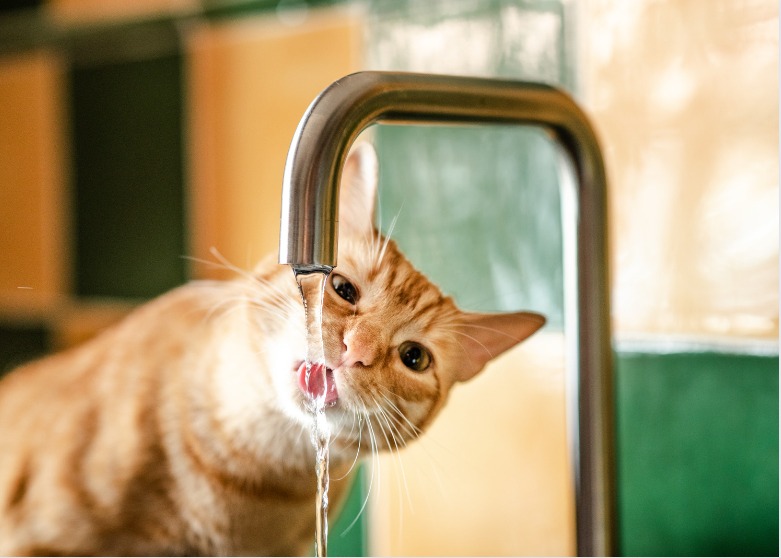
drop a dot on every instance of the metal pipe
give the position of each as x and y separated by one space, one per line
308 235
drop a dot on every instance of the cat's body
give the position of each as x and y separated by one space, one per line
183 430
126 445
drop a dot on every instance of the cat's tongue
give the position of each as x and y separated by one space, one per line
320 381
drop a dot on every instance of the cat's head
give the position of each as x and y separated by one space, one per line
394 344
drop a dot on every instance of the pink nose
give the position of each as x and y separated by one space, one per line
360 347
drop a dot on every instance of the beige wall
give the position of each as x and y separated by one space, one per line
249 84
491 477
684 94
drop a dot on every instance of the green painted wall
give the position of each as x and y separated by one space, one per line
128 194
22 342
347 535
477 209
697 454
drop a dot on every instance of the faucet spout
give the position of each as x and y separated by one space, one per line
310 213
310 197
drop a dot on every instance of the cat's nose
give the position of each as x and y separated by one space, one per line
359 347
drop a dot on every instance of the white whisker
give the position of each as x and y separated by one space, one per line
388 236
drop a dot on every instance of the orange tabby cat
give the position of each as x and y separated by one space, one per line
183 429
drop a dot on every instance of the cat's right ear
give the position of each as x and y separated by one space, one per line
358 190
485 336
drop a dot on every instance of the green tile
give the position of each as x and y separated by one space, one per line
20 343
697 454
11 6
128 196
347 535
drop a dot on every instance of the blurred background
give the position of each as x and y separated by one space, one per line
137 135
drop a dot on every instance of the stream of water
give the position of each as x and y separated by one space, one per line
311 284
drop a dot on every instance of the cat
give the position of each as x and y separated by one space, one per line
184 429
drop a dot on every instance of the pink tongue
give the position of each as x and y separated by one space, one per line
321 379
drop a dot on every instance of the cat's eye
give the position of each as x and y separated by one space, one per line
414 356
344 288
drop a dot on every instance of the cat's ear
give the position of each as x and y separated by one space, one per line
485 336
358 190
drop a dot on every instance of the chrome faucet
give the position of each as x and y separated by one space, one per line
310 212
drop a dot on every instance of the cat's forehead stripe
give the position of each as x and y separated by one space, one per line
407 287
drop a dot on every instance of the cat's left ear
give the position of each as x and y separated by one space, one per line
485 336
358 190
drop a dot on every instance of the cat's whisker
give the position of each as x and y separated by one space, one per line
377 258
221 264
389 447
273 299
227 264
358 416
382 415
391 420
338 433
401 480
398 439
241 301
412 430
356 430
395 423
493 330
276 294
279 295
375 452
377 415
223 309
351 435
381 256
474 339
351 468
371 243
415 432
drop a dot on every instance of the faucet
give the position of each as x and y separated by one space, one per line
308 235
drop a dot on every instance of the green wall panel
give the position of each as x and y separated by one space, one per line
128 194
697 454
478 210
21 342
347 535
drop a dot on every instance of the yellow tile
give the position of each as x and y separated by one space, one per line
492 476
32 199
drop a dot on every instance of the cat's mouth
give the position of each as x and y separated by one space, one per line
319 383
